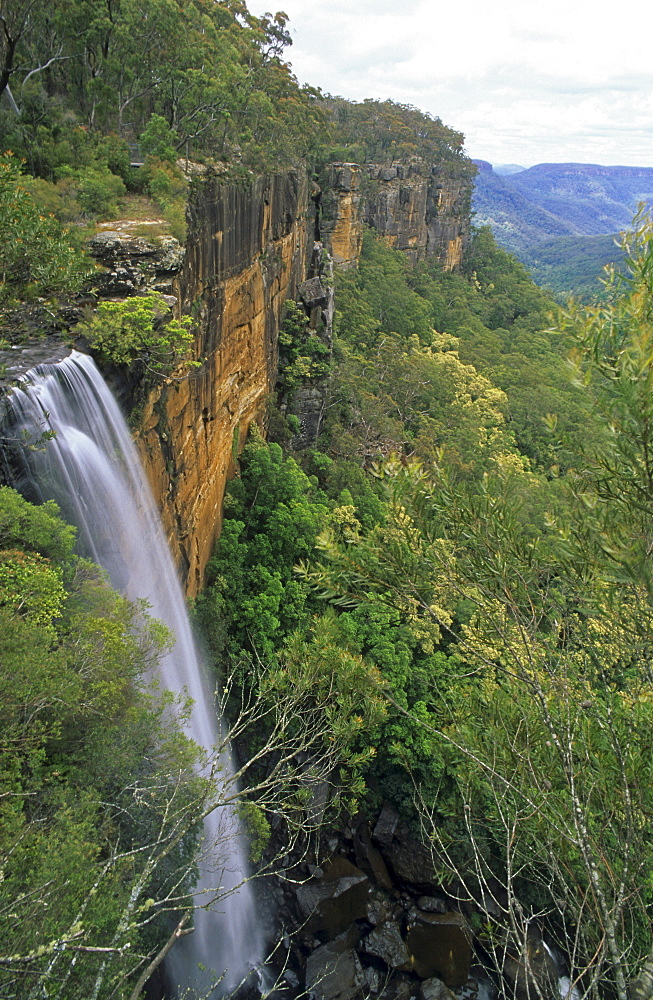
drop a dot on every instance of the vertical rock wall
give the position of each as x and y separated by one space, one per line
418 208
247 251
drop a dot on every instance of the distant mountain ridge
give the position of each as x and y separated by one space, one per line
558 199
552 209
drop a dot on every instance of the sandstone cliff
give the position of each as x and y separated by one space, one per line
420 209
248 249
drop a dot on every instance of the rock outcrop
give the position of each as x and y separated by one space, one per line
250 247
133 264
419 208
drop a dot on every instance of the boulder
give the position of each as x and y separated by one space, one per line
335 899
373 978
432 904
386 825
434 989
379 908
440 944
399 987
368 856
407 859
333 972
313 293
385 942
133 263
478 987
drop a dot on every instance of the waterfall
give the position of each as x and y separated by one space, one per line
91 468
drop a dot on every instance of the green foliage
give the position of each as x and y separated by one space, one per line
139 329
257 829
303 355
377 297
384 131
273 513
158 140
527 746
501 324
339 687
223 89
573 265
30 586
37 529
167 185
36 256
99 192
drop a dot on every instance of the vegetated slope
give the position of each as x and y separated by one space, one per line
570 264
434 571
561 200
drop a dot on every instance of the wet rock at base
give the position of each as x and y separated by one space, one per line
369 857
399 987
379 909
440 944
386 825
333 901
385 942
406 858
333 972
432 904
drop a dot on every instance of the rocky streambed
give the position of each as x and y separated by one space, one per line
374 920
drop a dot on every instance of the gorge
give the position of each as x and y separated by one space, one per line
249 249
417 552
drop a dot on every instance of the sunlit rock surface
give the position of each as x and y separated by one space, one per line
419 208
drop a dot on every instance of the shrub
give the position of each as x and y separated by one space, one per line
35 251
137 330
158 140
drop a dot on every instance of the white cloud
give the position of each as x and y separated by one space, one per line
527 81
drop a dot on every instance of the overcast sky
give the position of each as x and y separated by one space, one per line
526 81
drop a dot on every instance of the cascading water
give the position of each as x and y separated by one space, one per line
91 468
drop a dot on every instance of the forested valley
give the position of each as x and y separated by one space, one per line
442 605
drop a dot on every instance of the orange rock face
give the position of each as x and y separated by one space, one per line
247 252
418 208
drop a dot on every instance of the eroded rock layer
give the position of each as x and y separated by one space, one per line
419 208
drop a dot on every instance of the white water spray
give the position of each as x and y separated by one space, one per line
91 468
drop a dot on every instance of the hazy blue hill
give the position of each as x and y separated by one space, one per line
516 221
592 198
505 169
559 218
